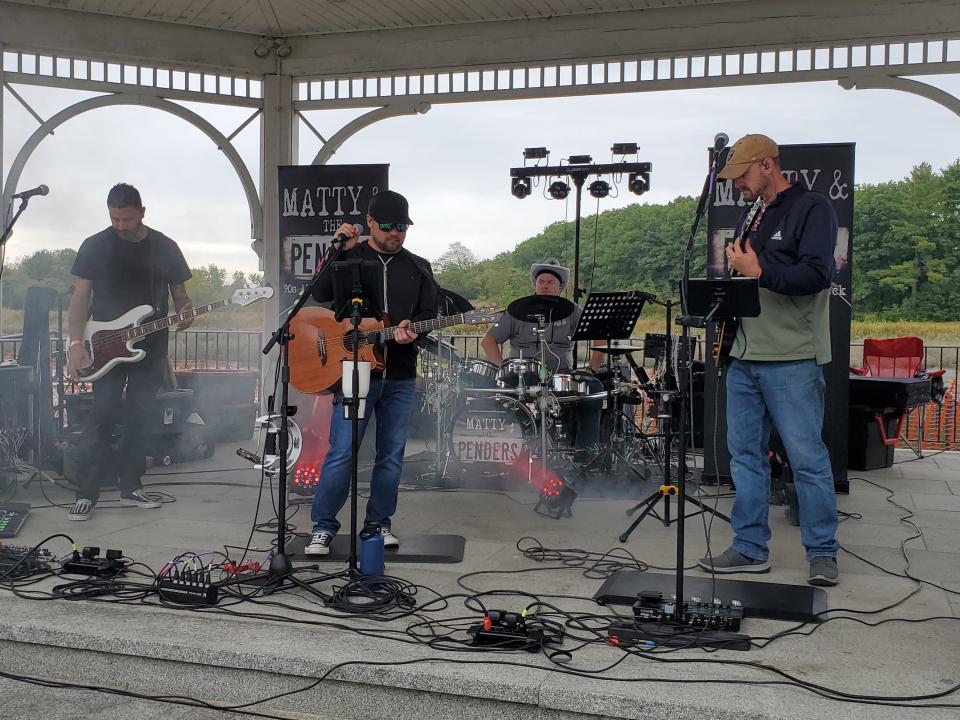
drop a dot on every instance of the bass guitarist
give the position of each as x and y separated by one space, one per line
775 378
126 265
409 295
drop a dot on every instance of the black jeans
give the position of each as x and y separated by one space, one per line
133 412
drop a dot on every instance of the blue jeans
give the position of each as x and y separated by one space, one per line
391 400
789 396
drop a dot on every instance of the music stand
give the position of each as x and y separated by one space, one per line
610 316
357 293
718 300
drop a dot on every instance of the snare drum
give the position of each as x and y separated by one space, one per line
476 373
515 370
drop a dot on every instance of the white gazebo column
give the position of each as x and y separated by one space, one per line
278 146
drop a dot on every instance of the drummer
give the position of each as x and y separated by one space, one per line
550 278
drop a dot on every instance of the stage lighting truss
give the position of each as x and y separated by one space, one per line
575 172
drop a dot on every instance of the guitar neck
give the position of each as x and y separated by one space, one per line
157 325
422 326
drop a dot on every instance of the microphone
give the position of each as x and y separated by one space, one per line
720 141
27 194
247 455
339 238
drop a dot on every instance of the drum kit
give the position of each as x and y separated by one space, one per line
494 419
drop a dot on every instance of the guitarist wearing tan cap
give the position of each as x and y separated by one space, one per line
775 377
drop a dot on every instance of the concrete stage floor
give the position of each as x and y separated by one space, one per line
229 656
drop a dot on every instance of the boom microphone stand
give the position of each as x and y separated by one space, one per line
280 567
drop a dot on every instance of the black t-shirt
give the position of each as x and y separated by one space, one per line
119 272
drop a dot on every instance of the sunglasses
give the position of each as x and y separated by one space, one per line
387 227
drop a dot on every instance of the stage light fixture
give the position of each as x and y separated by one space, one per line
579 160
537 153
599 188
624 149
639 183
520 187
558 190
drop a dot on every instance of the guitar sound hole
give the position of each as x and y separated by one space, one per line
348 343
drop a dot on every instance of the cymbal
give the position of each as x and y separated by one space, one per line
531 308
618 347
448 302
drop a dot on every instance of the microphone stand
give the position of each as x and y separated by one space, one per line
683 376
280 566
8 228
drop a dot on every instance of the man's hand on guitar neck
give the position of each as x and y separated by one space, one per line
189 321
744 261
402 335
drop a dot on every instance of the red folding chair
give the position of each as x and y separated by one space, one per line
901 357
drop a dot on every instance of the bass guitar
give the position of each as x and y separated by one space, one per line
320 343
727 330
110 343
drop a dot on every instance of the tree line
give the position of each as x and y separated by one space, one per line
906 251
51 268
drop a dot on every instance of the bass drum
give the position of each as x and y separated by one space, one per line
491 431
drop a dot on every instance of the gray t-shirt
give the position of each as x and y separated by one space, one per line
524 340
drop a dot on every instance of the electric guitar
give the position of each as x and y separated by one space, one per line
320 343
110 343
727 330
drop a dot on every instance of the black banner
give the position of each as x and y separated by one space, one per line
827 169
314 201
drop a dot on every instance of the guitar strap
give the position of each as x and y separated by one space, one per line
156 284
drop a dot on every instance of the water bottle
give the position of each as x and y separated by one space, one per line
371 550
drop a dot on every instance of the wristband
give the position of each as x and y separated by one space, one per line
74 343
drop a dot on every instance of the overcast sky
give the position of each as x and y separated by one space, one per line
452 163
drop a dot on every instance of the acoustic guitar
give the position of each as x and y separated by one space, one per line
320 343
727 330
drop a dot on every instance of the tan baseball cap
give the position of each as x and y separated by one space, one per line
746 150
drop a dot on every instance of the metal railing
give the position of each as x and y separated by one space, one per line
216 350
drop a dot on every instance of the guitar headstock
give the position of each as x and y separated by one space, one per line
482 315
245 296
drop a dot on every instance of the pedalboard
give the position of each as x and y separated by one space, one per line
89 562
657 622
696 614
507 630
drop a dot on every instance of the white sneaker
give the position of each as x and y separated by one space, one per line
319 544
81 510
138 498
389 539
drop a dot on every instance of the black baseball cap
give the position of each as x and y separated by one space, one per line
390 207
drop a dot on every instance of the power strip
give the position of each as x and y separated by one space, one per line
190 588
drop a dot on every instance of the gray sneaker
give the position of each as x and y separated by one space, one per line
824 572
140 499
731 561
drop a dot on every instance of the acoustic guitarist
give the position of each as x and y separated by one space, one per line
126 265
409 295
775 378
